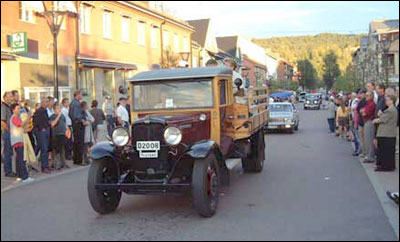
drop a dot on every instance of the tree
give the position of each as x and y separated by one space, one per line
170 59
349 81
308 74
331 69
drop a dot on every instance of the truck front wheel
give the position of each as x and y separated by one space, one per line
205 185
103 171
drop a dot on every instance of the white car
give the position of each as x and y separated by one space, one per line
283 116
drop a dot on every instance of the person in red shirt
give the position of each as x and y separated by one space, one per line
368 113
17 141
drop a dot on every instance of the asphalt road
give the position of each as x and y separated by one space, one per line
311 189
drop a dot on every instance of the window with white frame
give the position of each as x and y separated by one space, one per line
154 37
141 32
176 43
25 13
36 94
107 24
165 39
84 18
186 44
125 28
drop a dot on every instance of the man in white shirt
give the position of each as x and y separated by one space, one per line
371 87
50 106
122 113
65 111
68 121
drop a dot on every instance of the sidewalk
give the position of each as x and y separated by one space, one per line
11 183
382 182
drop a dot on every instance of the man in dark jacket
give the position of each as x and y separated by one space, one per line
76 115
381 104
42 129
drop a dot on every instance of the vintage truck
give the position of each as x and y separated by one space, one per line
186 123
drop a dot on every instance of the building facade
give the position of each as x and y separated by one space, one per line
106 43
251 58
284 71
377 59
205 42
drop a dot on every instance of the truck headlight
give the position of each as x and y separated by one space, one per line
308 102
173 136
120 136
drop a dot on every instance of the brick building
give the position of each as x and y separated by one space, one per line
97 51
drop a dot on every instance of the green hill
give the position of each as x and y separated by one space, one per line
313 48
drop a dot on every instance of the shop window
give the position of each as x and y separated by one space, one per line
36 94
108 88
85 83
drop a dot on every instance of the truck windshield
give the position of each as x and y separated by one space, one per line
173 95
281 108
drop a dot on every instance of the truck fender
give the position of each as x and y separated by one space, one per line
102 150
202 149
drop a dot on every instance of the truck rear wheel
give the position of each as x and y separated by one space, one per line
255 161
103 201
205 185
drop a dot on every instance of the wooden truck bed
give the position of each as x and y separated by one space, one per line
246 119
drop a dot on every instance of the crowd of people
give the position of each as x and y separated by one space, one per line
369 119
50 132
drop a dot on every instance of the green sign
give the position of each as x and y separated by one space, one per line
19 43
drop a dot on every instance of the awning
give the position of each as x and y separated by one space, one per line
7 56
106 64
33 5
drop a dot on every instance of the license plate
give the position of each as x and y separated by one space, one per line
148 149
272 127
148 145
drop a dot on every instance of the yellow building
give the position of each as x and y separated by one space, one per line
107 43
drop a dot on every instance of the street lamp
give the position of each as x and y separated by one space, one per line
385 42
54 18
185 56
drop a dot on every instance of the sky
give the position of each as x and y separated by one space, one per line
261 19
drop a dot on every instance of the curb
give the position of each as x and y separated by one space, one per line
40 179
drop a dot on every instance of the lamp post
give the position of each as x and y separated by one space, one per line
185 57
385 42
54 18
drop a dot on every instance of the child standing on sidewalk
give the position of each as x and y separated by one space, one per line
58 131
17 142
